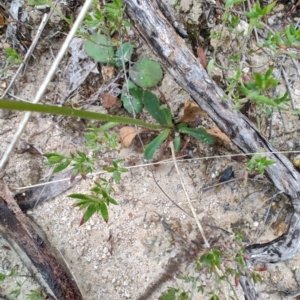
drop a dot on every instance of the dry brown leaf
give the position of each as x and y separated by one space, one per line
108 72
202 57
127 134
191 112
222 137
109 101
2 22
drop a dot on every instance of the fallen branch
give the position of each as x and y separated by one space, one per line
15 227
177 59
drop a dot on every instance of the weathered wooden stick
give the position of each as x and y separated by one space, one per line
16 228
190 75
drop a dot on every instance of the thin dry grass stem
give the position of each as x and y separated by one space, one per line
153 164
29 53
46 81
295 62
288 87
207 245
195 215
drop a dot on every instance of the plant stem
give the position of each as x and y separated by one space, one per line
51 109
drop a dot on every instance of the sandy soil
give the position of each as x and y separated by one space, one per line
148 241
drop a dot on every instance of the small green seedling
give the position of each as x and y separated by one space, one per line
81 163
96 202
257 90
15 293
13 56
98 140
115 169
258 162
35 295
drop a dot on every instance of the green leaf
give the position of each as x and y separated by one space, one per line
2 277
84 197
210 65
167 113
100 48
123 53
89 212
268 8
53 158
170 294
62 166
146 73
104 211
160 113
38 2
15 293
230 3
198 133
134 102
177 143
251 14
153 145
112 201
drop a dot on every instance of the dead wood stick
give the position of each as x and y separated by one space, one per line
17 229
190 75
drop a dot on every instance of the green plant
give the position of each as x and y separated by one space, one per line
95 202
98 140
225 266
282 41
257 88
50 4
107 19
81 163
15 293
258 162
13 56
115 169
35 295
257 91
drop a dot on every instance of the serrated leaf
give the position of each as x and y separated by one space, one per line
134 102
123 53
146 73
153 145
198 133
100 48
160 113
